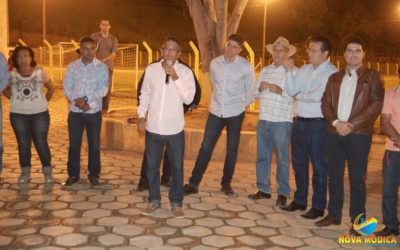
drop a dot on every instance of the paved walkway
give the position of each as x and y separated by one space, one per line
38 216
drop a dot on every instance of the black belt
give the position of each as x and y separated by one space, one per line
304 119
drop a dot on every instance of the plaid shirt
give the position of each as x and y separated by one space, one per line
274 107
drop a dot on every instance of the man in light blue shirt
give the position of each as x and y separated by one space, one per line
3 85
232 78
85 84
309 128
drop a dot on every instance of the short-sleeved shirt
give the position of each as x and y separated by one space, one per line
391 106
105 46
27 92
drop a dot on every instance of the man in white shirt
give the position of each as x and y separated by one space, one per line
352 101
166 86
275 122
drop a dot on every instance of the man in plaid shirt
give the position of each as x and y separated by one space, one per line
275 122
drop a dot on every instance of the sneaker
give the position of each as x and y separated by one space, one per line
71 180
177 212
94 182
150 208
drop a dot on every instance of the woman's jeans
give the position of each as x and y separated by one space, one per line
32 127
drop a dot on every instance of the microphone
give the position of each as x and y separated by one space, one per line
169 63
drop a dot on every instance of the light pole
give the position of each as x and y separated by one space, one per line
44 19
264 33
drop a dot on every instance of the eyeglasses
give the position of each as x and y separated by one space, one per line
313 51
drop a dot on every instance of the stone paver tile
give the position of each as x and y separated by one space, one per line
308 248
238 222
54 205
92 229
193 214
96 213
88 248
251 215
78 221
49 248
126 248
23 231
7 192
214 200
285 240
203 206
177 222
196 231
112 221
179 240
203 247
128 230
222 214
327 233
321 243
6 214
145 221
166 247
89 192
280 216
229 231
231 207
72 198
296 232
31 213
130 199
64 213
114 205
117 192
165 231
191 199
241 201
209 222
32 240
70 240
21 205
101 198
56 230
271 223
302 223
130 211
110 239
84 205
275 248
259 208
5 240
146 241
251 240
11 222
217 241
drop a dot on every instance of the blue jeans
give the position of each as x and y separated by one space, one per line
32 127
308 143
166 170
76 123
355 149
175 148
391 183
272 135
212 131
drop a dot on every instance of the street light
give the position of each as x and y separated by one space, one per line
44 19
264 33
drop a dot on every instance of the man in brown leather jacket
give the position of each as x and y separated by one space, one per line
351 103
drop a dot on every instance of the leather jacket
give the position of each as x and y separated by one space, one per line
367 104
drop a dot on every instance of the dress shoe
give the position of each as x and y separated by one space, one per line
259 195
165 182
293 207
313 213
327 221
94 182
281 201
71 180
353 232
142 186
227 190
387 232
189 190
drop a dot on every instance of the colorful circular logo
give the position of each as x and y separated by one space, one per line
364 226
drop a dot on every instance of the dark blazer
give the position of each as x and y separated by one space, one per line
197 94
367 104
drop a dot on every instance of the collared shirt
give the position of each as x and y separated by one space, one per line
163 102
309 86
3 73
391 106
274 107
346 95
233 84
89 80
105 46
